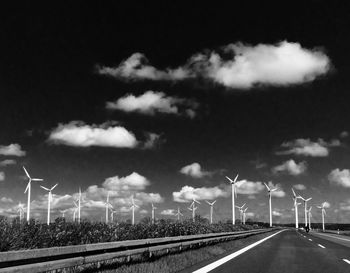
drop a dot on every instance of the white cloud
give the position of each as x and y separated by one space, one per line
247 66
249 187
137 67
2 176
250 214
344 134
6 200
77 133
12 150
152 102
7 162
132 182
290 167
299 187
169 212
327 205
187 193
194 170
306 147
153 140
340 178
276 213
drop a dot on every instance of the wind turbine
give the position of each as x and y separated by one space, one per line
79 200
28 188
270 190
133 206
305 207
112 213
153 209
20 209
322 207
244 211
193 208
211 210
49 201
296 204
108 205
178 214
309 212
240 208
63 212
234 193
75 210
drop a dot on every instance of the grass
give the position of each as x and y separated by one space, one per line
176 261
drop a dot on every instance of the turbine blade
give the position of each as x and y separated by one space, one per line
275 189
26 172
54 186
232 182
235 179
308 199
37 179
267 186
208 202
27 187
213 202
44 188
294 193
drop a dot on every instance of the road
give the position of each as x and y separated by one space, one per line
284 251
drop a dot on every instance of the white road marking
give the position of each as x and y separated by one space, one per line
343 239
310 240
346 260
321 246
217 263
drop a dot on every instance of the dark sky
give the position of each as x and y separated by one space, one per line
49 55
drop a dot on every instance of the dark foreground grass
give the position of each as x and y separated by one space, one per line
177 261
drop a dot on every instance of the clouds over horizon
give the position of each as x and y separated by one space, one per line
194 170
12 150
306 147
7 162
187 193
244 66
79 134
290 167
340 178
152 102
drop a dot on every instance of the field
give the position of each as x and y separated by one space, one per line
16 235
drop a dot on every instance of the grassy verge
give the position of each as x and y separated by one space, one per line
177 261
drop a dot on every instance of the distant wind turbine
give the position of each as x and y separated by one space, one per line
153 209
322 207
49 201
108 205
309 213
269 191
211 210
244 213
20 209
133 206
112 213
305 207
79 200
63 212
178 214
193 208
28 188
234 193
75 210
240 208
296 204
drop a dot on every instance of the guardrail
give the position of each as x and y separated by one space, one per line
46 259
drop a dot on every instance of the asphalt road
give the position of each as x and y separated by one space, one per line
288 251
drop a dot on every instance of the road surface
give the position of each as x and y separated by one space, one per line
284 251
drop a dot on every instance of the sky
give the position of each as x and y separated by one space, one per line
161 102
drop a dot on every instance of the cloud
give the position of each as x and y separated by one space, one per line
344 134
2 176
249 188
152 102
306 147
279 192
340 178
299 187
276 213
327 205
137 67
7 162
6 200
194 170
244 66
153 140
250 214
12 150
290 167
345 205
187 193
132 182
77 133
169 212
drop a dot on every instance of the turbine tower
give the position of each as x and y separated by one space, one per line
309 213
269 191
153 209
108 205
49 201
211 210
193 208
234 193
75 210
244 212
322 207
20 209
296 204
133 206
178 214
28 188
240 208
63 212
305 207
112 213
79 204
